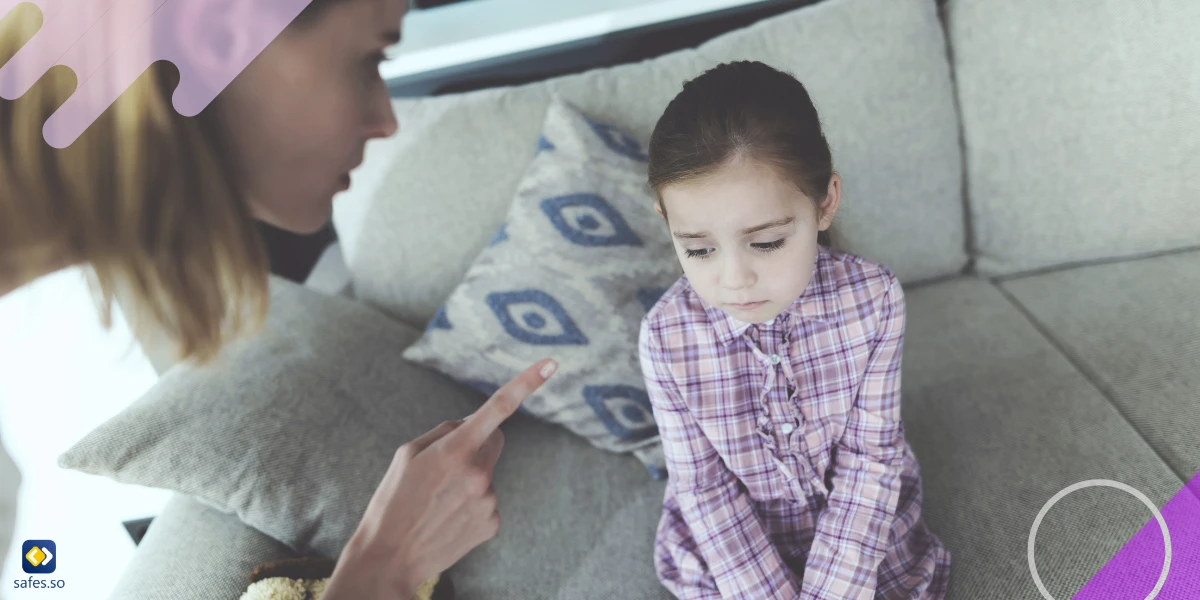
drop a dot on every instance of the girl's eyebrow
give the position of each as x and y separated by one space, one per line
768 225
689 235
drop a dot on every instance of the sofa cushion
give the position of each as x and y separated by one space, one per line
433 195
194 551
1081 128
1001 422
292 430
1138 335
579 260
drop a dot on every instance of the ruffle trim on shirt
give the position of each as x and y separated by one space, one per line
808 480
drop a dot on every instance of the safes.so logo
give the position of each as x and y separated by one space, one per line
39 556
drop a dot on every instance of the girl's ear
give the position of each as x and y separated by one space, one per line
828 208
659 209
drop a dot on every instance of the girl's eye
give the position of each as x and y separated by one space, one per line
701 253
770 246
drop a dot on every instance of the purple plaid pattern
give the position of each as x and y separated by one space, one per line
755 419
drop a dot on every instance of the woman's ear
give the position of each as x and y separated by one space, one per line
213 41
659 209
828 208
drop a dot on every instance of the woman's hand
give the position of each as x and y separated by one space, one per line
435 503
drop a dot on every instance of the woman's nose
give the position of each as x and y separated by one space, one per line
381 119
385 125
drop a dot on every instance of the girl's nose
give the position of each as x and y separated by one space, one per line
736 274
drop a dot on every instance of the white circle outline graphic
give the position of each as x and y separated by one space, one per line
1162 524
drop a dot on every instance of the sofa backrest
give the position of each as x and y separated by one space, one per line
1081 124
427 200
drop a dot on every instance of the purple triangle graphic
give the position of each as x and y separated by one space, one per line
1134 571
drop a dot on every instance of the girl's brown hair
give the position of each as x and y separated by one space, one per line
145 197
740 110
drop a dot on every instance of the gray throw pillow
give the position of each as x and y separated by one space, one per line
291 429
579 260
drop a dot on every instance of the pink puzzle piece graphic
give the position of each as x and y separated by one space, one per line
110 43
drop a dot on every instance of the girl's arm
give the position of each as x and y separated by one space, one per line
742 562
852 533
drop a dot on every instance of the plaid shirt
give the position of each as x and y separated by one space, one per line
789 474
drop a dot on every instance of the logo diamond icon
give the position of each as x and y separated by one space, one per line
39 556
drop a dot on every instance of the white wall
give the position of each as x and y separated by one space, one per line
61 375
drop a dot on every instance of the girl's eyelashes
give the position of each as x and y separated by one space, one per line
770 246
764 247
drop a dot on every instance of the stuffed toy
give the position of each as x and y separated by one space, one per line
305 579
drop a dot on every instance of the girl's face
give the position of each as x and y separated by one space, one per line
746 238
302 112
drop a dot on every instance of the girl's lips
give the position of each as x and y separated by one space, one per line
749 305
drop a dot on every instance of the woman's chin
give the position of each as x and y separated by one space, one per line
298 218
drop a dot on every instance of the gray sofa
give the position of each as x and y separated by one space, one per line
1027 167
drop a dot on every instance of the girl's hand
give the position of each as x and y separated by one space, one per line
435 503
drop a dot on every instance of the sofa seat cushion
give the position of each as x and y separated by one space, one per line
1001 421
1134 327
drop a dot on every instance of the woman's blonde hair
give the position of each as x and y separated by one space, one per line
145 197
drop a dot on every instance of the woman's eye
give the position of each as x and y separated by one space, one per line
701 253
769 246
371 64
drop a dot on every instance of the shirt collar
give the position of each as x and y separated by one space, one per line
818 303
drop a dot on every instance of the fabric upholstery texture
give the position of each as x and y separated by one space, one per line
1135 330
193 551
1001 422
1079 120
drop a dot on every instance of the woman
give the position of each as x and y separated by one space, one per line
162 208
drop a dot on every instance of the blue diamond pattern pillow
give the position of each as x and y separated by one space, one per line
579 261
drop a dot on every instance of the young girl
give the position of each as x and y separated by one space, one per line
773 365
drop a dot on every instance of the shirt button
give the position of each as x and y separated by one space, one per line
775 359
787 428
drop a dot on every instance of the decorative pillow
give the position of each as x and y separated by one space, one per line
580 259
